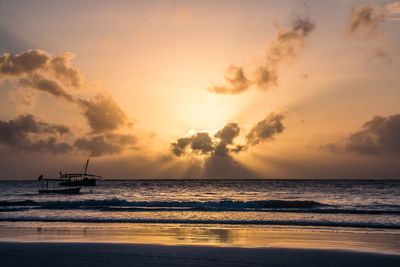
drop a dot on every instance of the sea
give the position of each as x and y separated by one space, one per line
353 204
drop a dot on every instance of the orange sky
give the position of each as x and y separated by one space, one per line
199 89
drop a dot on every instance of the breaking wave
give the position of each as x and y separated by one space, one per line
188 221
115 205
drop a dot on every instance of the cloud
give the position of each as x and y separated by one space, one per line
364 20
103 113
38 70
267 128
217 149
178 148
45 85
200 143
287 45
236 82
105 144
28 133
265 77
378 136
218 163
38 61
63 70
226 135
55 75
23 63
222 142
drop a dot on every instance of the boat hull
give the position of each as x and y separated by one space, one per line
73 190
84 182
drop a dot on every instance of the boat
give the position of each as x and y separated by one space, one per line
71 190
49 186
79 179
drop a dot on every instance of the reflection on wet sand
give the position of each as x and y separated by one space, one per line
210 235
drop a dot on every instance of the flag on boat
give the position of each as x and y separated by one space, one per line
40 177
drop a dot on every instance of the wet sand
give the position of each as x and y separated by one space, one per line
113 254
376 241
79 244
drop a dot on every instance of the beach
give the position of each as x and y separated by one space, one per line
203 223
78 244
113 254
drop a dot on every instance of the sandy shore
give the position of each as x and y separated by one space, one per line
111 254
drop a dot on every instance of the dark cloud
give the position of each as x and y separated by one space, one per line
222 142
23 63
105 144
28 133
199 143
55 75
218 149
365 20
266 129
228 133
63 70
45 85
204 144
178 148
236 82
287 44
37 61
226 136
38 70
378 136
266 78
103 113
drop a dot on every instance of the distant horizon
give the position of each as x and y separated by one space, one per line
225 179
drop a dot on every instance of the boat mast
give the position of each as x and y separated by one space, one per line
87 163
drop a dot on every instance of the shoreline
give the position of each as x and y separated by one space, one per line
108 254
232 236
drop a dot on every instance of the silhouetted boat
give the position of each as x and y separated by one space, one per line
49 186
72 190
79 179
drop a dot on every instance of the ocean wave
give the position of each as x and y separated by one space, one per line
118 205
217 205
188 221
17 203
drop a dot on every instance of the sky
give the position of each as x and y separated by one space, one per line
200 89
